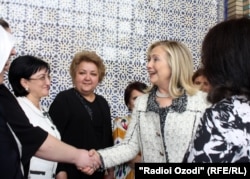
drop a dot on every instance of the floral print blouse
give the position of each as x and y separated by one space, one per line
122 171
224 133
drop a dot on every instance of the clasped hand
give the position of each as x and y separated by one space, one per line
93 162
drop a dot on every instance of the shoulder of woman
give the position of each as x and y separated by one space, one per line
100 97
141 102
199 99
199 95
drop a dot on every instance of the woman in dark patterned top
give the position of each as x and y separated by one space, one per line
224 134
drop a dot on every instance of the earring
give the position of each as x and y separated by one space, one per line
27 89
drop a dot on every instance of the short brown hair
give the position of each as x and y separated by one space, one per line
87 56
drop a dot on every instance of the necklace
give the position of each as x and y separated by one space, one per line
160 95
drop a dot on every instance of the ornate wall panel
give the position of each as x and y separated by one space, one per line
118 30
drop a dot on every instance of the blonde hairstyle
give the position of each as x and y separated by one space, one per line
180 62
87 56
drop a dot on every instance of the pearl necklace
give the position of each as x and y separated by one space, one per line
160 95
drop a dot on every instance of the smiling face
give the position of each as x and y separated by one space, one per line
86 78
158 67
38 85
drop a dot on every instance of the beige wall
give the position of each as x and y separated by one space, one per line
238 8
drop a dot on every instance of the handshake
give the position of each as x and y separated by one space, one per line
88 161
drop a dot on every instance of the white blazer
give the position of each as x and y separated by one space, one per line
39 168
144 133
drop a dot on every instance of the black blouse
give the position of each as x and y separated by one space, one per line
83 124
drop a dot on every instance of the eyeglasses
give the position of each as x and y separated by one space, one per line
42 78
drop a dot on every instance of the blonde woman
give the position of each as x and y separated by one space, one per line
164 120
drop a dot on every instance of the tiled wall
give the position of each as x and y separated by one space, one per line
119 30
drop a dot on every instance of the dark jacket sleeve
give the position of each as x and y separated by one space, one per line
9 153
30 137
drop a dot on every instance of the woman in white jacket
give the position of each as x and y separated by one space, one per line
165 119
29 77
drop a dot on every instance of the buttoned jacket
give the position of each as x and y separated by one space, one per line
144 133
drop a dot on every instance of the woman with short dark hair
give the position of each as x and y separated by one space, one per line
29 77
